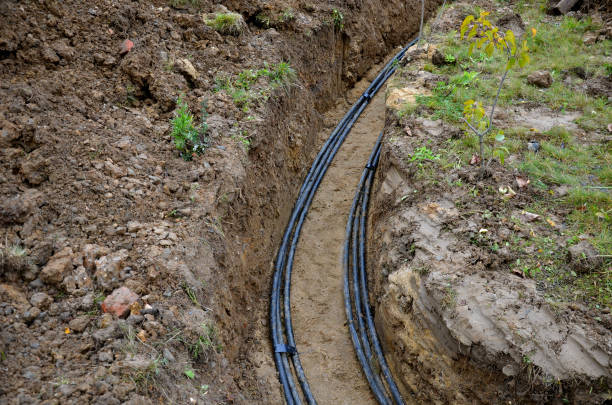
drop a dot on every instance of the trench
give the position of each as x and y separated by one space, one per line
326 350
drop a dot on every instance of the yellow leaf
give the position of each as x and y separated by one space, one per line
489 49
67 331
471 49
465 24
533 32
512 40
551 222
473 32
523 59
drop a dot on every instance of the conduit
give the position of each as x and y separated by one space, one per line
286 355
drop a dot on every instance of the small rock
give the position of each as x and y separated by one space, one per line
135 319
438 58
584 257
134 226
185 67
126 46
82 278
105 357
541 78
58 267
79 323
119 302
91 253
41 300
31 314
105 321
108 269
102 335
114 170
168 356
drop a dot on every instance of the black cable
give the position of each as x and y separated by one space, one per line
281 328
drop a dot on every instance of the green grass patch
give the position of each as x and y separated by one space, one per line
226 23
241 87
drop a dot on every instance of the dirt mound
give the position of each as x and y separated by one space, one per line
96 198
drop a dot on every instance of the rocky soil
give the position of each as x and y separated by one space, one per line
128 275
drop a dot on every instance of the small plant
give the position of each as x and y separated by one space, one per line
191 294
281 74
190 373
243 138
423 154
188 139
483 35
338 19
226 23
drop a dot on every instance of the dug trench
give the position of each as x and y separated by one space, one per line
96 198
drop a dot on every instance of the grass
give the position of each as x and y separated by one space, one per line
584 169
189 140
241 87
226 23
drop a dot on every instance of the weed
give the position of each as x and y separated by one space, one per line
190 373
450 298
188 139
243 138
240 87
226 23
146 377
190 293
338 19
205 342
423 154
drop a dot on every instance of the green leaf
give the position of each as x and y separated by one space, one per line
481 42
510 63
465 24
500 137
473 32
190 374
471 48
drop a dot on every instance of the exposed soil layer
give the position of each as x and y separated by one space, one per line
460 324
326 349
95 197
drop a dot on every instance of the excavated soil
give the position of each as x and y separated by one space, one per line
326 349
95 196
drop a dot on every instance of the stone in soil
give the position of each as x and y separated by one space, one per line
58 267
541 78
119 302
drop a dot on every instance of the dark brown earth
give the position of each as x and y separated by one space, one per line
94 196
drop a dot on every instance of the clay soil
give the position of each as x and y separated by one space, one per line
94 195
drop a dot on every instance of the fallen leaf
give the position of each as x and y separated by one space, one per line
529 216
510 193
551 222
522 181
67 331
475 160
407 130
518 273
126 46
